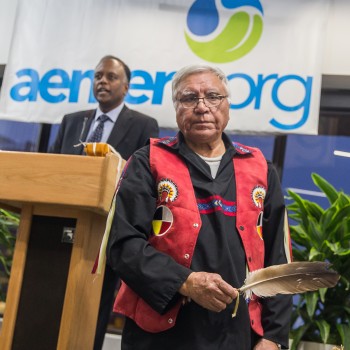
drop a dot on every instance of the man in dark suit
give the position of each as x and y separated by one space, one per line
124 129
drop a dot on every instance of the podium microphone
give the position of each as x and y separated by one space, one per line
83 128
81 143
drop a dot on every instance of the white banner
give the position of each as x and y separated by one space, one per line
270 51
7 18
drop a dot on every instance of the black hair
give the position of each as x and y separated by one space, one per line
125 66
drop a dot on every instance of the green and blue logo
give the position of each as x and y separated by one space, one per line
217 42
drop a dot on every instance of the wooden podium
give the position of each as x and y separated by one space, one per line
53 299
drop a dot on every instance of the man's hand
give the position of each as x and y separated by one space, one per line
264 344
208 290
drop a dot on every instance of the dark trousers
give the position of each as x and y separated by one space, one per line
110 282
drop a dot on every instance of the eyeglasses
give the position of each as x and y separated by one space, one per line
209 101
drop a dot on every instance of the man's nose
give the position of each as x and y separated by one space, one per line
103 79
201 104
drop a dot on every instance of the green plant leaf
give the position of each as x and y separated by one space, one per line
345 282
339 216
5 265
311 299
316 234
343 199
314 210
295 217
297 335
8 225
337 249
344 331
322 292
303 213
300 256
299 236
325 187
322 235
324 329
315 254
328 215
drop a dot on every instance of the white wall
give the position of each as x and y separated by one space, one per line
336 58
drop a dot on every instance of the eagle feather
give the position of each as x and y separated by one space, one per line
291 278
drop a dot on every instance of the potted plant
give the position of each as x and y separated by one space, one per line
8 225
321 234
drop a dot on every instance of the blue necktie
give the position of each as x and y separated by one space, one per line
96 136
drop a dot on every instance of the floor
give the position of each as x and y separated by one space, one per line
112 342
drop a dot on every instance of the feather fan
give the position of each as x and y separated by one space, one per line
291 278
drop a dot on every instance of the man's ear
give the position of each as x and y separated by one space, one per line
126 88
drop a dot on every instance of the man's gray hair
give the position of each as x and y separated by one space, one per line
184 72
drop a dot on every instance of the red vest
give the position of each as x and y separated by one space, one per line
251 184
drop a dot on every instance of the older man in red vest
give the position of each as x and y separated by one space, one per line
194 213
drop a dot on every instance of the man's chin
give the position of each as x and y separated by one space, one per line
202 135
105 104
102 99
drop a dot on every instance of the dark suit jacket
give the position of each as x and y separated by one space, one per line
130 132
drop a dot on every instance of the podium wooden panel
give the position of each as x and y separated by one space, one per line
52 299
